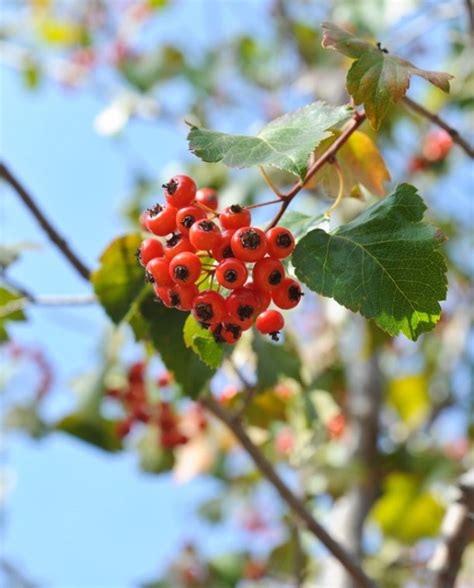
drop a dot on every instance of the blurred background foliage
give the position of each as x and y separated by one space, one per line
372 431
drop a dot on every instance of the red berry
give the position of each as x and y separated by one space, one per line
270 322
268 273
163 295
182 296
287 294
204 235
235 217
177 243
142 220
165 379
149 249
185 268
186 217
124 427
209 307
158 272
249 244
227 333
180 191
231 273
161 220
263 297
241 307
136 373
280 242
207 197
223 249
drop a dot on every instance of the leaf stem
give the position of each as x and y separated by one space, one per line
260 204
340 194
270 183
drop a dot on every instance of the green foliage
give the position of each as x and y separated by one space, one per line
202 343
385 264
376 79
274 361
146 70
92 429
120 278
300 224
286 143
10 310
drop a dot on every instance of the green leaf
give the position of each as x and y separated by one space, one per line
286 143
300 224
384 264
148 69
10 310
202 343
376 79
94 430
275 360
120 278
165 328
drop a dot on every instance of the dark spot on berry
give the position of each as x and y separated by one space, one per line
175 299
174 240
171 187
294 293
284 241
204 311
227 252
234 329
275 277
155 210
230 276
188 221
218 338
204 325
250 239
181 272
245 311
138 254
275 335
236 208
206 226
149 279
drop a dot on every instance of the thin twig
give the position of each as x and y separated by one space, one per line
470 16
45 224
327 157
269 182
435 119
295 504
47 300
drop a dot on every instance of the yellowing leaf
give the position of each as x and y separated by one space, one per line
405 511
361 164
409 396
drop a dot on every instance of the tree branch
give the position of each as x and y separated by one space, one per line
435 119
458 531
327 157
295 504
45 224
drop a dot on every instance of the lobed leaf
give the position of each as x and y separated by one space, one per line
286 143
385 264
202 343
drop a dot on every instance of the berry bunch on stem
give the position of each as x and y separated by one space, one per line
216 264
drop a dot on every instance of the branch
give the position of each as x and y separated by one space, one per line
435 119
327 157
51 301
458 531
45 224
295 504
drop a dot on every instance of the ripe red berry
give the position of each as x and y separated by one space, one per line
204 235
158 272
270 322
223 249
264 297
207 197
142 220
185 268
186 217
209 307
235 217
180 191
268 273
287 294
177 243
280 242
249 244
124 427
241 307
149 249
182 296
161 220
231 273
227 333
163 295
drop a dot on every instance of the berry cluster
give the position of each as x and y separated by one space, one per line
238 264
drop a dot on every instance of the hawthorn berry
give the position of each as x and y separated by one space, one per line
287 294
227 333
182 296
180 191
161 220
223 249
280 242
231 273
209 307
263 297
268 273
270 323
185 268
204 235
148 250
177 243
241 307
162 294
249 244
207 197
186 217
235 217
158 272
